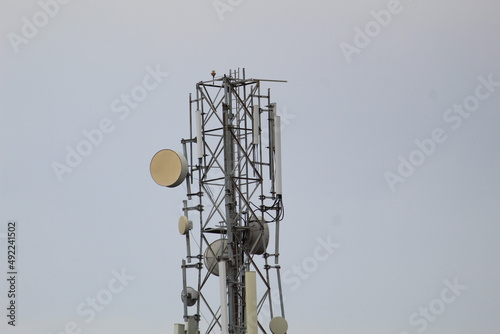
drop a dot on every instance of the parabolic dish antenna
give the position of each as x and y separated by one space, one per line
214 253
190 296
185 225
168 168
278 325
257 237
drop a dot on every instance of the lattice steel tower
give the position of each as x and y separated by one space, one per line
231 165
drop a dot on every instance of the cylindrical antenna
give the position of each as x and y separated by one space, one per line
199 139
223 297
277 153
256 124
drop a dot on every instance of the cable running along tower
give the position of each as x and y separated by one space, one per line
231 166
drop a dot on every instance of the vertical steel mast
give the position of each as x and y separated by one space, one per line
233 160
234 265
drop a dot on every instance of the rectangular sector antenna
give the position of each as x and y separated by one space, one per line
277 149
199 139
223 297
251 301
256 124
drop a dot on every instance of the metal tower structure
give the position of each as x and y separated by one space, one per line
231 165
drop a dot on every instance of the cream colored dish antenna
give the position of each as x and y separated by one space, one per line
185 225
168 168
278 325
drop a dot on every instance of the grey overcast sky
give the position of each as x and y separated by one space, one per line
390 152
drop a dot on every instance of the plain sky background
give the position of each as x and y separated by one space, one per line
345 125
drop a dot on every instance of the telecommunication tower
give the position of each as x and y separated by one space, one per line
231 166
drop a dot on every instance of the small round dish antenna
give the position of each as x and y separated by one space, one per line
257 237
190 297
213 254
168 168
185 225
278 325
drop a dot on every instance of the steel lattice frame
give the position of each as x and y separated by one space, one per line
235 180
